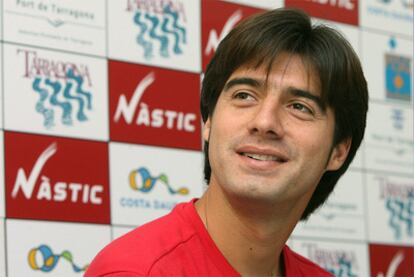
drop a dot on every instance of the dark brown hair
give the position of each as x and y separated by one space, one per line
259 40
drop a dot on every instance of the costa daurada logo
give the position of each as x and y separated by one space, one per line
49 260
146 182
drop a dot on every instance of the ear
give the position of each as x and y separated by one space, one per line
206 129
339 154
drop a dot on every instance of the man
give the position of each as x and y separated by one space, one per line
284 106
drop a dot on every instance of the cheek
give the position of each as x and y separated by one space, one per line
314 144
221 137
221 128
215 139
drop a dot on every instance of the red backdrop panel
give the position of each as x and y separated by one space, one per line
154 106
53 178
218 18
339 11
391 260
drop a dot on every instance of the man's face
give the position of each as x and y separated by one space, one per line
272 141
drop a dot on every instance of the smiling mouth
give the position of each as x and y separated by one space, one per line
261 157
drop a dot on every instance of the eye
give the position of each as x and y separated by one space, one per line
302 108
242 95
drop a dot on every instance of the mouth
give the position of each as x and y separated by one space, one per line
263 157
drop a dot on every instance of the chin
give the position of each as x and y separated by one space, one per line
256 193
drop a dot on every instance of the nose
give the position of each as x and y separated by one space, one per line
268 119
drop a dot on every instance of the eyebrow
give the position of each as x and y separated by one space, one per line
306 94
243 81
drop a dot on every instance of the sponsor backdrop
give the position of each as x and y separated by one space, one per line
100 129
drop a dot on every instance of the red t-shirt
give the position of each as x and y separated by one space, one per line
178 244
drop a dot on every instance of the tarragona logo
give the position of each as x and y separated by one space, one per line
142 180
60 89
57 192
160 27
156 118
43 259
337 261
399 202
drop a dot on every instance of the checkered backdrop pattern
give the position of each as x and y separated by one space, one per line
100 129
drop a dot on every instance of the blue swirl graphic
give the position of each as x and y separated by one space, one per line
401 213
344 269
58 95
163 39
167 10
79 90
165 29
159 28
79 82
48 114
147 45
81 116
65 106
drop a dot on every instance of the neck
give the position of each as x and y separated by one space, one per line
251 236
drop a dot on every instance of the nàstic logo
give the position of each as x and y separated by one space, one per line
161 27
42 258
219 18
61 190
156 118
66 180
214 38
158 107
344 11
391 260
63 89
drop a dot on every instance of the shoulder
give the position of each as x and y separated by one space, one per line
138 250
297 265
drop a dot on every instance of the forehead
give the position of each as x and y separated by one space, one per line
284 70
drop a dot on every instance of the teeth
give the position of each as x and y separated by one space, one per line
261 157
